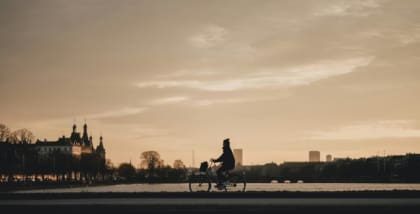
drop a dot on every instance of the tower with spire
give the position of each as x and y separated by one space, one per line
86 141
85 137
83 140
75 136
100 150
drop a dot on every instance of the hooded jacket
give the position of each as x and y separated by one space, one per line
227 158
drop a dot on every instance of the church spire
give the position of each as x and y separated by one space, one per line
100 148
85 136
85 128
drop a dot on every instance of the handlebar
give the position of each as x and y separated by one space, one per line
212 164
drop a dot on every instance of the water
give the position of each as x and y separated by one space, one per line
269 187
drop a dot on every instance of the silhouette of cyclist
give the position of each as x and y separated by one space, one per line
228 163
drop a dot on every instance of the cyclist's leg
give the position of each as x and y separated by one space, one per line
227 173
220 176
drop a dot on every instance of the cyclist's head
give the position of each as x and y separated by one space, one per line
226 142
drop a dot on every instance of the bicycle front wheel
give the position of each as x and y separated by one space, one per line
237 183
199 183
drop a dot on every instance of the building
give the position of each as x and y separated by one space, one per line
341 159
328 158
67 158
237 154
314 156
76 145
62 145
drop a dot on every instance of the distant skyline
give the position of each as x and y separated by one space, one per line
279 78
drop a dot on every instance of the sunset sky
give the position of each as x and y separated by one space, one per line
279 78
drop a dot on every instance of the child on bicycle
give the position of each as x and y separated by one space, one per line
228 163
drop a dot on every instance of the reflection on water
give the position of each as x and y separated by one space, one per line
306 187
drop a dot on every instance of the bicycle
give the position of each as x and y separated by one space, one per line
202 180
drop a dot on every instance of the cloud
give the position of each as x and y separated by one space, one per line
295 76
189 72
208 37
409 37
126 111
350 8
170 100
369 130
149 132
208 102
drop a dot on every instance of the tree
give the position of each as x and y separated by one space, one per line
126 170
22 136
4 133
179 171
178 164
109 167
150 160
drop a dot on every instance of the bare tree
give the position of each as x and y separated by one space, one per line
23 136
4 133
178 164
150 160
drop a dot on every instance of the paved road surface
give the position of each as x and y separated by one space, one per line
219 202
213 205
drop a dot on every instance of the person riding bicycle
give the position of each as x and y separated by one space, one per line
228 163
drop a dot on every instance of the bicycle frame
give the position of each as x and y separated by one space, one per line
204 179
211 172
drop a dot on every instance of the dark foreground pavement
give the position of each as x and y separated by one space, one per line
249 202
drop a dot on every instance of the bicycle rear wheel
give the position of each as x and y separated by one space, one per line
199 183
237 183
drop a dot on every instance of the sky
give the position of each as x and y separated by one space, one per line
279 78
